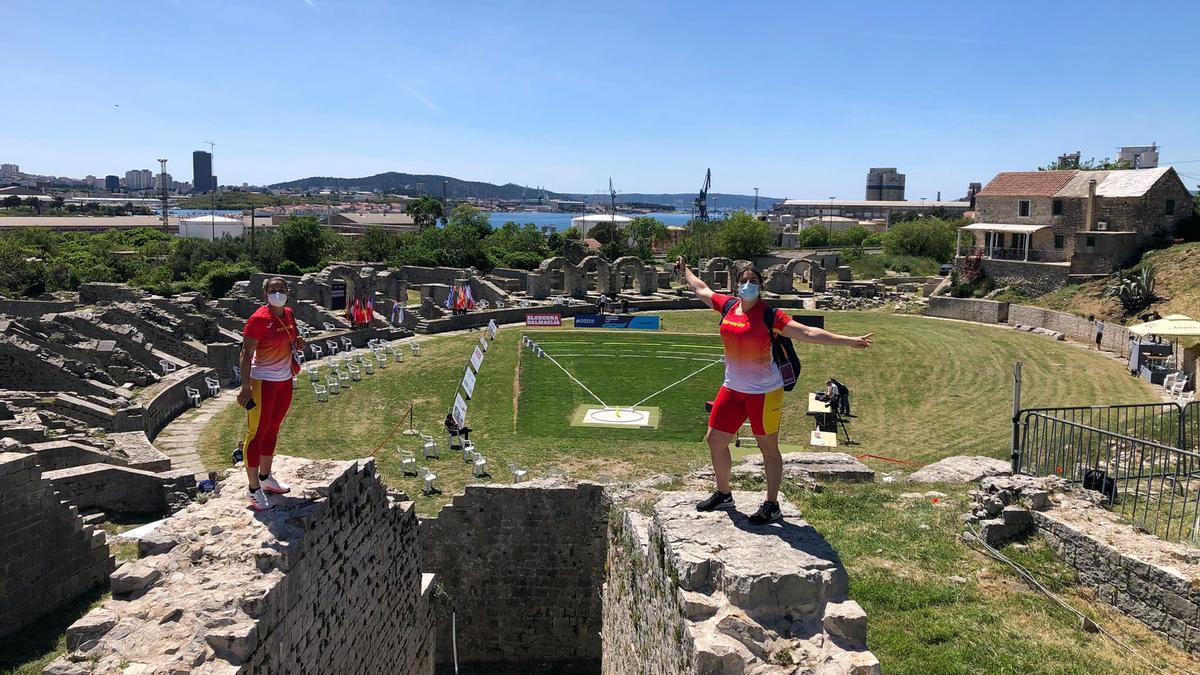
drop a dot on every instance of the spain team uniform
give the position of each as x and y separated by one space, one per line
753 387
271 375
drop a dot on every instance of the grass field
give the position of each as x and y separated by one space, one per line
927 389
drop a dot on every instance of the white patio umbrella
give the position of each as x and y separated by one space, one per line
1179 328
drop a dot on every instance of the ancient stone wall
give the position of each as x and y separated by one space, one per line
164 400
32 309
522 566
1116 338
1043 276
968 309
94 292
710 593
121 490
1160 596
48 556
328 581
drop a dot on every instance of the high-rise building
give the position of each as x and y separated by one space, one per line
202 175
139 179
885 184
163 179
112 183
1139 156
10 171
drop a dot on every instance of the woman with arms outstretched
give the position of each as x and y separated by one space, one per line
753 386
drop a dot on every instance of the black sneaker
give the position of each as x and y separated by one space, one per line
767 513
718 500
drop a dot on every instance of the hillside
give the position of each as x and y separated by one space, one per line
1177 273
412 184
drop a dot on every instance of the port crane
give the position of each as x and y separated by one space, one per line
700 206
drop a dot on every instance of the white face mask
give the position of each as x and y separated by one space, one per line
277 299
748 291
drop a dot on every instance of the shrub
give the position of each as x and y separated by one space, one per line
925 238
1134 289
288 267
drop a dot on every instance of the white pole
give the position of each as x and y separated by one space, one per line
1016 418
454 638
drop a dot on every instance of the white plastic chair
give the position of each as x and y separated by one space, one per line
167 366
499 304
482 304
468 447
313 370
343 377
214 386
429 447
479 465
429 477
331 382
1169 380
320 392
398 354
408 463
304 330
347 344
355 372
316 350
416 349
368 367
381 358
328 326
525 304
518 474
300 358
1186 397
333 347
193 395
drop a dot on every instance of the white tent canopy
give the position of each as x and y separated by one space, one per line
1170 326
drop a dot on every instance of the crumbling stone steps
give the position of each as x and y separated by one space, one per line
180 439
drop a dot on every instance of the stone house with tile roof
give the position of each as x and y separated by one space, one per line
1045 227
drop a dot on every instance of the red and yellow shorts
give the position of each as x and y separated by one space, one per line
732 408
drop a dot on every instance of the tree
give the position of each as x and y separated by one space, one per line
426 211
743 237
1089 164
21 274
303 240
12 201
58 202
700 243
572 232
647 234
470 217
925 238
603 232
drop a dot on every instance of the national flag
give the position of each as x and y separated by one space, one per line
470 297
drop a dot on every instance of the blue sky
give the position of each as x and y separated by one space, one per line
796 98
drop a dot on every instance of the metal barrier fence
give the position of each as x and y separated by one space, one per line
1141 457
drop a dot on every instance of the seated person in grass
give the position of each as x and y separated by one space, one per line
452 428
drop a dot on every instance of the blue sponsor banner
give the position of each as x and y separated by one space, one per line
632 321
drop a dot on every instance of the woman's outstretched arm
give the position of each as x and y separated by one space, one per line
698 287
820 336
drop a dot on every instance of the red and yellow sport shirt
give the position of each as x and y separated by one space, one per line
749 368
273 356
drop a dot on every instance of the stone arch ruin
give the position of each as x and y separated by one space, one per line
338 285
718 273
784 277
545 281
644 278
596 264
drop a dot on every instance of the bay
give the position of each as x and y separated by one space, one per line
562 221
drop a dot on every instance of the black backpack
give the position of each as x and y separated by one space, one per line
783 353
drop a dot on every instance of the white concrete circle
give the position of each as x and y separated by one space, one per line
617 416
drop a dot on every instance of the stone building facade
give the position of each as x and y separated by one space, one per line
1083 222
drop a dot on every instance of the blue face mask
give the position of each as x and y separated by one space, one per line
748 291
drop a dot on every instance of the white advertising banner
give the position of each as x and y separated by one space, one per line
492 328
468 382
483 344
459 411
476 359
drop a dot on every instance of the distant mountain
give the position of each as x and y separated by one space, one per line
683 201
414 184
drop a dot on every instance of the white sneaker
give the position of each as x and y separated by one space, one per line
273 486
258 500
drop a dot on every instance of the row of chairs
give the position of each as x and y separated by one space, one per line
470 455
350 366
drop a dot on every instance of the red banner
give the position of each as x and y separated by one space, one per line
543 319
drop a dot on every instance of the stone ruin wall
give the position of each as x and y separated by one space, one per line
49 556
329 581
522 566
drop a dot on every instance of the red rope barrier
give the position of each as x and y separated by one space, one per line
888 459
408 415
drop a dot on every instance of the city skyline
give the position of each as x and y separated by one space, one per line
797 101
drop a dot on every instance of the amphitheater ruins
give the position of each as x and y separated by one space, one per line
343 576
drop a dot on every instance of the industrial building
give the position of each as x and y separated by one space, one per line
867 209
885 184
359 222
1139 156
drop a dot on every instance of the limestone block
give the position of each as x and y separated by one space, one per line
133 577
93 625
234 642
1017 516
846 620
961 469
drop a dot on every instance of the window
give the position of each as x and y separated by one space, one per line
1058 241
1170 209
1091 242
999 240
1023 208
1057 209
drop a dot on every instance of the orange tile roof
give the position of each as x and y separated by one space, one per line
1027 183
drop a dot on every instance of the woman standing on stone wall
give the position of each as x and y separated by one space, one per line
753 386
268 365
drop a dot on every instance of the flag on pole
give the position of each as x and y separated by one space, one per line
470 297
